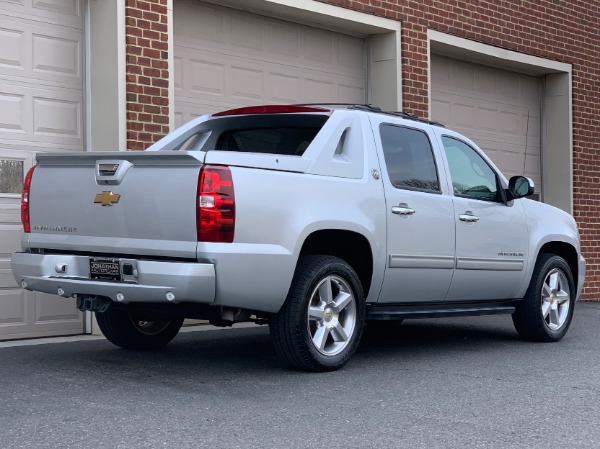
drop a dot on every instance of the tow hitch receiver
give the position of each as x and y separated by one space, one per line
93 303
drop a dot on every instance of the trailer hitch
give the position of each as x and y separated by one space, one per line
93 303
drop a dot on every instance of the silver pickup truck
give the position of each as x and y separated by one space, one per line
313 219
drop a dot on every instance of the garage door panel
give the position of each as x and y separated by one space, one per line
10 43
12 111
59 56
284 88
284 40
13 310
50 309
7 280
487 81
195 21
317 90
510 123
65 13
487 119
246 33
530 89
319 46
66 7
205 76
245 83
349 49
464 76
12 242
246 59
40 53
42 115
351 94
498 109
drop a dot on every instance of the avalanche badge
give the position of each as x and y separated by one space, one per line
107 198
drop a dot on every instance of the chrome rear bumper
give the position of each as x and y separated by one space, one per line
150 281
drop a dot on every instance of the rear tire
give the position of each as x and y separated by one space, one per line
546 311
321 322
127 329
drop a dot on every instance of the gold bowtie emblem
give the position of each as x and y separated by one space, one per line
107 198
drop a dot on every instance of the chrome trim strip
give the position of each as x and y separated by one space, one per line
473 263
406 261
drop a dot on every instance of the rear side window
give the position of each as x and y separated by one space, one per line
409 158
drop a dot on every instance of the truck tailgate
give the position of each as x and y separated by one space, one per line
121 202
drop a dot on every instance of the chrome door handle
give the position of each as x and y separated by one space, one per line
402 209
468 217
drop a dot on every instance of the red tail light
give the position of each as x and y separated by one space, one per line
25 200
216 205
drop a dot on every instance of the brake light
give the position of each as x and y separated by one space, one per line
270 109
25 200
216 205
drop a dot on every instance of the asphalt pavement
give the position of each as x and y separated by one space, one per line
446 383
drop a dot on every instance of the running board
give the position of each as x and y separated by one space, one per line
438 309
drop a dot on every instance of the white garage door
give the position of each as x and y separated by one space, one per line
41 108
226 58
498 109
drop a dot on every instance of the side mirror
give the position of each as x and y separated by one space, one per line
519 187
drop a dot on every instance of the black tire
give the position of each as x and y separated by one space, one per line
130 331
529 319
292 330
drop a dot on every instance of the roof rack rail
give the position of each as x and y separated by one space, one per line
411 116
372 108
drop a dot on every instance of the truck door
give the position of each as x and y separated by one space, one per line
491 236
420 216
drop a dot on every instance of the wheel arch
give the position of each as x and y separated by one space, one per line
567 252
351 246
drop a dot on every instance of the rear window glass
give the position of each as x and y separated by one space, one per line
280 140
285 134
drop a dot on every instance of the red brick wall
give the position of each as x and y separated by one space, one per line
147 72
560 30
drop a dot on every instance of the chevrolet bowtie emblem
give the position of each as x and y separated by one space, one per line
107 198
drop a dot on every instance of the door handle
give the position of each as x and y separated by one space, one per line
402 209
468 217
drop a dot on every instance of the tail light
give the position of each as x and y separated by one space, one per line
216 205
25 200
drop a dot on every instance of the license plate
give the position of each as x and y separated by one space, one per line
106 269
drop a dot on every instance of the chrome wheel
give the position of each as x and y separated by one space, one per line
331 315
546 310
556 299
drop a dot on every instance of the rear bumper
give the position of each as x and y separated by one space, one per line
151 281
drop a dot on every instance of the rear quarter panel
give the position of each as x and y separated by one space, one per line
275 213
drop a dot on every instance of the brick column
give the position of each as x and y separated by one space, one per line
147 72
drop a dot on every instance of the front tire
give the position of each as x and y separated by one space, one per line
132 331
546 311
321 322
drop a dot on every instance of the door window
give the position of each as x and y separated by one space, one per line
409 158
472 177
